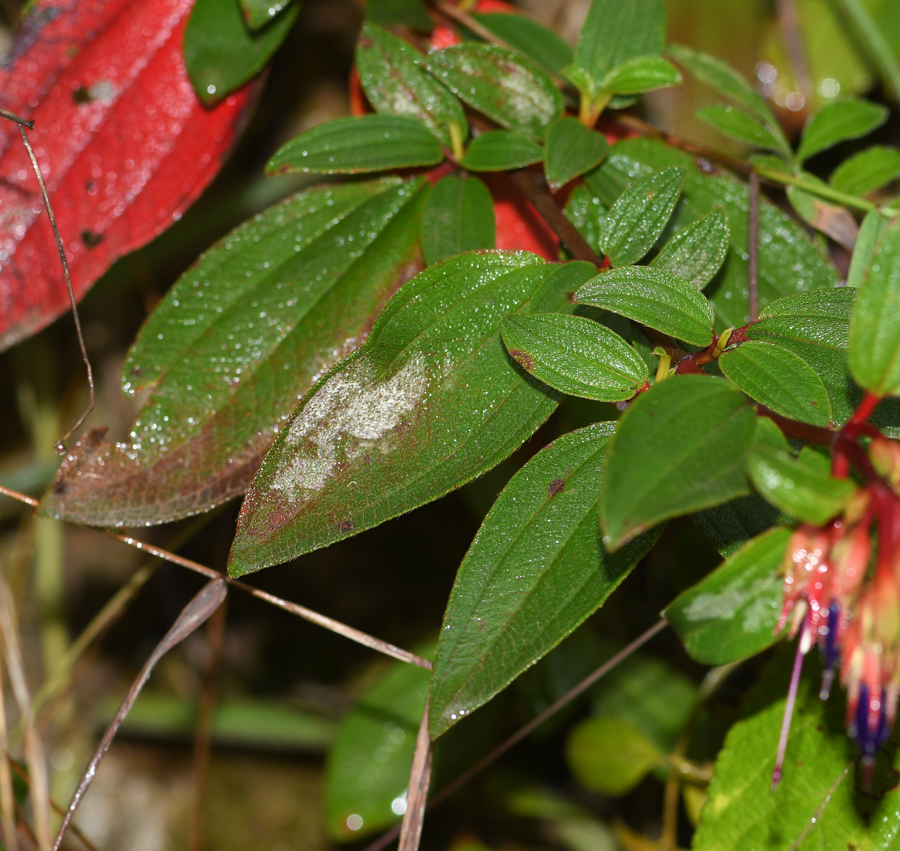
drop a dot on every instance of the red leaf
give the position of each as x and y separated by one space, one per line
123 142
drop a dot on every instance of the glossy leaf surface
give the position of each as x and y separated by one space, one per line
641 74
69 72
222 52
233 346
258 13
838 121
575 355
867 171
587 213
697 252
356 145
476 72
395 83
535 570
640 215
679 447
572 149
654 298
430 401
732 613
458 216
501 150
780 380
740 125
529 37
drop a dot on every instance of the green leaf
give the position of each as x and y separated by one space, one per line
874 349
640 215
654 298
641 74
679 447
476 72
368 767
404 13
238 339
615 32
780 380
831 219
535 570
609 755
258 13
744 127
458 216
529 37
820 803
587 213
733 612
221 53
732 524
356 145
791 261
501 150
726 81
867 171
431 401
572 149
870 232
697 252
391 74
796 486
575 355
838 121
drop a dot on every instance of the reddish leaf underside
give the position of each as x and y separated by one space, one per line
123 143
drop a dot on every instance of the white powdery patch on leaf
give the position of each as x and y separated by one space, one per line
349 413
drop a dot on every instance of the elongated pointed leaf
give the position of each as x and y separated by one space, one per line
874 350
395 83
428 403
477 72
867 171
837 122
587 213
233 346
575 355
641 74
654 298
501 150
744 127
221 52
868 240
780 380
831 219
258 13
458 216
640 215
680 447
733 613
534 572
572 149
697 252
357 145
796 486
529 37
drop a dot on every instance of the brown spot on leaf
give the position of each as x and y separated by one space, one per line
522 359
346 526
556 486
570 297
91 239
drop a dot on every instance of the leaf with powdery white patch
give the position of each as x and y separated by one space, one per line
733 613
529 37
501 150
238 339
258 13
572 149
641 74
744 127
679 447
575 355
395 83
458 216
431 401
697 252
780 380
654 298
502 84
821 804
640 215
357 145
867 171
534 572
798 486
221 52
874 350
838 121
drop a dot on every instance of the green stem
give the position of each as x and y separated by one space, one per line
820 190
881 53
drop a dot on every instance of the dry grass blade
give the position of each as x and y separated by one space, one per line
194 614
417 791
7 798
